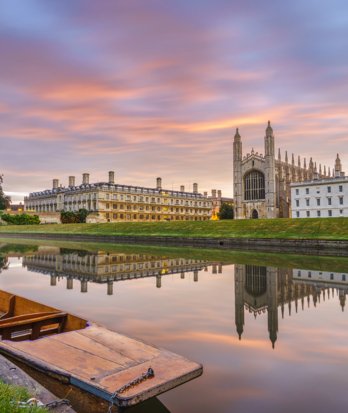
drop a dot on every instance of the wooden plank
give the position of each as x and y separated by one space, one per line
51 352
128 347
22 319
90 346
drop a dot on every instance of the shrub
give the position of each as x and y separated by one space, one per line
21 219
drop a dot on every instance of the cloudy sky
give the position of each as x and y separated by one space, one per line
156 87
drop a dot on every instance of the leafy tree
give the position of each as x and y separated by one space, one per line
70 217
5 200
226 211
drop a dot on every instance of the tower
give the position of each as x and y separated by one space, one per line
338 167
270 188
239 282
272 300
237 174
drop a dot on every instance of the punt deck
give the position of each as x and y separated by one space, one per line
87 355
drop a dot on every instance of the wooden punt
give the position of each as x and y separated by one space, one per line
85 354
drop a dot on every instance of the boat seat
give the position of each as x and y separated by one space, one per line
32 326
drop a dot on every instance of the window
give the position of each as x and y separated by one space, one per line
254 186
114 206
114 216
329 213
297 203
297 214
297 191
307 191
318 213
343 277
341 211
340 188
341 200
307 202
329 202
309 274
308 214
329 189
318 201
331 276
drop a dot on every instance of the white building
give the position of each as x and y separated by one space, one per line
324 197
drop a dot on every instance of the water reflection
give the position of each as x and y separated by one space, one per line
260 289
108 268
223 309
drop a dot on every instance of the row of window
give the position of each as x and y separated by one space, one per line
146 217
317 213
340 189
153 208
332 276
318 201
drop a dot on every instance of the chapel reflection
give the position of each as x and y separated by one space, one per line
260 289
108 268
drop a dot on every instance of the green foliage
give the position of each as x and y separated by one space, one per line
5 200
282 228
11 395
70 217
226 211
21 219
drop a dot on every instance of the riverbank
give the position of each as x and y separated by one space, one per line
307 236
311 228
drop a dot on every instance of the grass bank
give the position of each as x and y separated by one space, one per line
10 396
311 228
321 263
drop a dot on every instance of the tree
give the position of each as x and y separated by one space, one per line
226 211
5 200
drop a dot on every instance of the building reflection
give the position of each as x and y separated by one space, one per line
108 268
260 289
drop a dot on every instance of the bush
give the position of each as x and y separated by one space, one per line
226 211
70 217
21 219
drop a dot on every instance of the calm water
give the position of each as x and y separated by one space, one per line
270 339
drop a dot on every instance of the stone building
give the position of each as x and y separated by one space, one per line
321 197
107 268
113 202
217 200
266 290
262 182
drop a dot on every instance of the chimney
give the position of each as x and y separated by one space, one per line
159 183
85 178
195 188
55 183
182 188
71 181
111 177
206 194
219 193
213 193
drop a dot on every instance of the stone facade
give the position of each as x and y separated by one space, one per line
262 182
112 202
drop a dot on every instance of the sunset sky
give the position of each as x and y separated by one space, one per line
156 88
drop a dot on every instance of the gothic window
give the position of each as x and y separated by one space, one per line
256 280
254 186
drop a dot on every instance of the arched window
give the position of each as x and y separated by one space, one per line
256 280
254 186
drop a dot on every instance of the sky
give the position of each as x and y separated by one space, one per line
156 88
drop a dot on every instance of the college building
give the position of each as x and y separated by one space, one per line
321 197
113 202
262 183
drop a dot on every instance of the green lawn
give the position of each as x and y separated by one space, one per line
311 228
11 395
